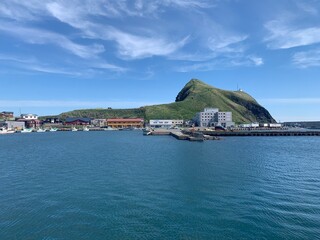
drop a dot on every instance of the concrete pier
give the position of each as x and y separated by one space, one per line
263 133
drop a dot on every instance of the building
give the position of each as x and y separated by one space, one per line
52 120
99 122
30 120
166 123
29 116
249 125
13 125
6 116
205 118
125 122
212 117
77 121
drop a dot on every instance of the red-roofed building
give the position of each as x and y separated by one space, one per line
125 122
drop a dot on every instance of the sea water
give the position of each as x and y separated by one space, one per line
123 185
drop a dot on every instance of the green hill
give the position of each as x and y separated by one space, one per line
193 98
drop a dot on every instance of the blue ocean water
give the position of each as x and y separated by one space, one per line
123 185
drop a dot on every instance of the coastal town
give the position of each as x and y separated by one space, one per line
207 124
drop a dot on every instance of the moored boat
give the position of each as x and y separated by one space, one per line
73 129
5 131
26 130
41 130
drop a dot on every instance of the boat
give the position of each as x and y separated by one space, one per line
147 131
5 131
86 129
73 129
26 130
110 129
41 130
53 129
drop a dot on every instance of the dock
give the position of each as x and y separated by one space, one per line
199 136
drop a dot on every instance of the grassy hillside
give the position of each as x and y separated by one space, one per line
193 98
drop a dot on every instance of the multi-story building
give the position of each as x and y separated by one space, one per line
205 118
212 117
6 116
125 122
30 120
166 123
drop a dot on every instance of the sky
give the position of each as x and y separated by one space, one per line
60 55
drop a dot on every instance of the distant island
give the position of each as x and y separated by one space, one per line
194 97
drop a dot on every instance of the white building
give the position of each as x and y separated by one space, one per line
205 118
166 123
249 125
212 117
29 116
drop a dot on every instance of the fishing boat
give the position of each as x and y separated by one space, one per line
73 129
41 130
53 129
5 131
26 130
86 129
110 129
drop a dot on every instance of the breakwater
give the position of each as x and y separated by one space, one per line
192 135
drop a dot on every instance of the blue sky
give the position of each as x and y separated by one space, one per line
59 55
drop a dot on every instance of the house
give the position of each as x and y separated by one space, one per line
6 116
125 122
77 121
30 120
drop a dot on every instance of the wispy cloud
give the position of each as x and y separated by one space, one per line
228 61
39 36
283 35
131 46
307 59
35 65
224 43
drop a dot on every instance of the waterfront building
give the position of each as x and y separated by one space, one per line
125 122
166 123
29 116
212 117
6 116
13 125
77 121
99 122
30 120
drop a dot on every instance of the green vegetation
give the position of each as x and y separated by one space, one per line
193 98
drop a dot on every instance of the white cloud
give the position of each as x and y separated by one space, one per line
226 43
133 46
283 35
129 45
258 61
39 36
227 61
35 65
307 58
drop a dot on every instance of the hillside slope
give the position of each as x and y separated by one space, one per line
193 98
